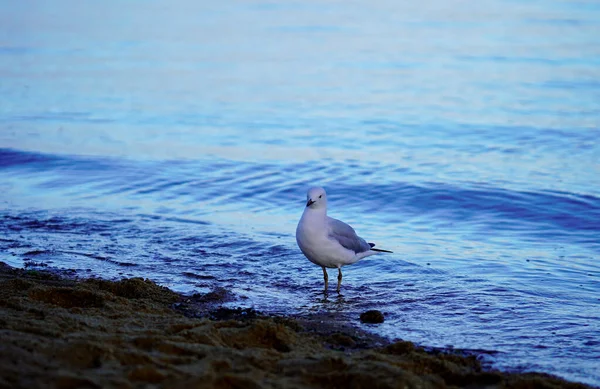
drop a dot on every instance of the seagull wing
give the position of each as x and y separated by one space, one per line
346 236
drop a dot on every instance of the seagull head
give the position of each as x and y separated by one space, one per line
316 198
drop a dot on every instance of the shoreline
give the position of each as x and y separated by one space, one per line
71 333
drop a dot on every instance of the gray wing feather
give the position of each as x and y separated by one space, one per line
346 236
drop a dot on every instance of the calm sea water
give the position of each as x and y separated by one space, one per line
176 141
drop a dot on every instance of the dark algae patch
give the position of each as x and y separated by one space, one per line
135 334
134 288
67 297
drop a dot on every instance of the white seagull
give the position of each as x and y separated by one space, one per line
328 242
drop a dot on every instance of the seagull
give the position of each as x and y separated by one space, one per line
328 242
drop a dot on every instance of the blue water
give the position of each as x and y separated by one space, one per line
176 141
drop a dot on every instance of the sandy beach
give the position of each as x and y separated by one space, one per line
65 333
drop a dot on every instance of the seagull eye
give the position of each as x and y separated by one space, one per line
320 196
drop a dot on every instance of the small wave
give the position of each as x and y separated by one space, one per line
14 158
207 185
553 213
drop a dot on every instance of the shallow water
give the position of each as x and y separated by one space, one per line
176 142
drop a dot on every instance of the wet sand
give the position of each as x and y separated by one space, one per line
65 333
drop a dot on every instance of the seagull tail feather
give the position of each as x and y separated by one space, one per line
379 250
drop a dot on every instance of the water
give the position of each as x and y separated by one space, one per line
176 141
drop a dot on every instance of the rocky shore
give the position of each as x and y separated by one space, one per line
65 333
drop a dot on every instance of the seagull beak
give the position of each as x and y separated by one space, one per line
309 202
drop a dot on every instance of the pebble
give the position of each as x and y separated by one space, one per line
373 317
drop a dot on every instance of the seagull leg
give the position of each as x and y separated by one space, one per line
326 277
339 279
